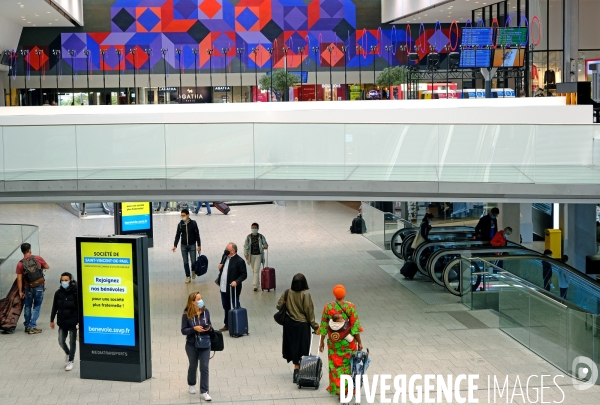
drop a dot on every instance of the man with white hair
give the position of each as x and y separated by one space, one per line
232 271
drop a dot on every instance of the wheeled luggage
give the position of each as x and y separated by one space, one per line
222 207
311 367
237 317
267 277
409 269
10 309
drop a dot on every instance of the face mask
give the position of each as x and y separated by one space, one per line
254 231
226 252
505 236
201 304
65 284
183 218
493 216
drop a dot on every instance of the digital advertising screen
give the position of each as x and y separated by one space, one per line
136 216
511 36
472 58
107 286
508 58
477 36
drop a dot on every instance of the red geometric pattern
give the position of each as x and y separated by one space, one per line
210 7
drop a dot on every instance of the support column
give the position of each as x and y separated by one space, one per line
510 215
570 39
526 223
578 225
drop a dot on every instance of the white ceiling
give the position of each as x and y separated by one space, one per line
33 13
456 10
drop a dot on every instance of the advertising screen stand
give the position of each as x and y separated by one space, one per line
134 218
114 308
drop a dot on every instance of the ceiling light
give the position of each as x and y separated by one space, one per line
22 6
47 12
34 25
49 23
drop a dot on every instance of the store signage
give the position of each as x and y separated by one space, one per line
194 95
335 86
222 88
107 294
167 89
135 216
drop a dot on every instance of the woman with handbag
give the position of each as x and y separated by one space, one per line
298 311
196 325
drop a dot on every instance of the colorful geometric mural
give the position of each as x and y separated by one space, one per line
182 32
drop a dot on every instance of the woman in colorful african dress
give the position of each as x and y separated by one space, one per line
340 349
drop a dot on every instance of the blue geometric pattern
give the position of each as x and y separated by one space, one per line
148 19
247 19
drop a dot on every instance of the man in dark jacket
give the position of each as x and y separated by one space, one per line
188 232
232 271
488 225
65 309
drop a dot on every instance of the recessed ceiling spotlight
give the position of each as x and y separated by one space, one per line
47 12
49 23
22 6
34 25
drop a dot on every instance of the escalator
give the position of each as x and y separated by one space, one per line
432 257
400 236
407 252
449 251
89 209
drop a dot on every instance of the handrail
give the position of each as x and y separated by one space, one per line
518 279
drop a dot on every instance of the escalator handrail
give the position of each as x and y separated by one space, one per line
438 254
409 239
414 228
555 263
419 250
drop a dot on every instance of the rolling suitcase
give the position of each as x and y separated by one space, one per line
237 317
310 369
409 269
10 309
267 277
221 206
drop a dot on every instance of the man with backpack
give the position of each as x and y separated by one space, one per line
30 281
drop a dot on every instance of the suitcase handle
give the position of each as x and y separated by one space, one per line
310 347
232 291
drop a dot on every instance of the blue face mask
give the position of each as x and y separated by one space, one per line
493 216
65 284
201 304
254 231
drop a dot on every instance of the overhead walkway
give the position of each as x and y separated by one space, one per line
462 150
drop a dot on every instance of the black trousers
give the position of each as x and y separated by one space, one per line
196 356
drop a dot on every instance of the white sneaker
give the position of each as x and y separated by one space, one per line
69 366
188 280
193 275
192 389
205 397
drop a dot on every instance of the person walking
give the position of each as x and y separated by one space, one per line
232 272
340 351
199 207
299 320
487 226
65 308
188 232
254 252
196 321
30 281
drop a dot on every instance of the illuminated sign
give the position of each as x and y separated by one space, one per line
135 216
107 293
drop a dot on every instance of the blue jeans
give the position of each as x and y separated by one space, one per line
200 206
33 298
189 253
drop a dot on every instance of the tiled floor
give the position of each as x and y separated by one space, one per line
410 327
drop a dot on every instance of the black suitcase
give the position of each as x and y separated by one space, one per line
237 318
409 269
311 369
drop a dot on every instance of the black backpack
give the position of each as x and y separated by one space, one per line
32 271
357 225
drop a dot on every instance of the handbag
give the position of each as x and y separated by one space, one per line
280 315
202 341
216 341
